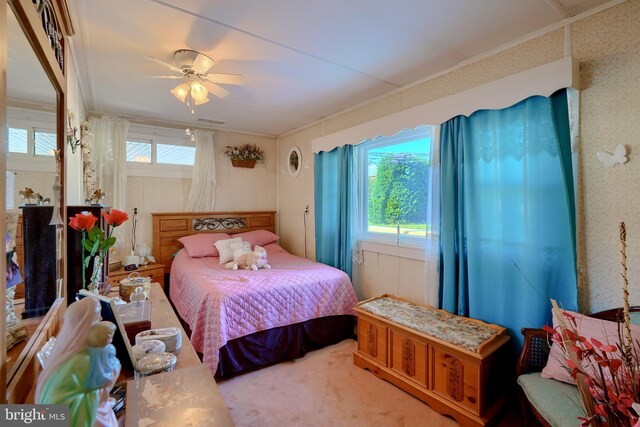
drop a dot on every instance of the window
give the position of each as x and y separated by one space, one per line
18 141
44 143
159 152
152 153
139 152
397 185
176 154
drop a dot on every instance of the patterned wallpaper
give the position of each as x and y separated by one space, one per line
39 182
606 44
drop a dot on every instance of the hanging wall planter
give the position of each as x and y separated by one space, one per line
245 155
237 163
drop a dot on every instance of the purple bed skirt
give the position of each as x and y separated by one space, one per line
284 343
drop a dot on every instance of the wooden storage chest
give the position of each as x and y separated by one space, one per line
457 365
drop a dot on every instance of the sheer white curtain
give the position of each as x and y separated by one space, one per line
432 244
109 142
360 223
202 196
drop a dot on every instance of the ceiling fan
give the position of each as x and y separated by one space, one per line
192 67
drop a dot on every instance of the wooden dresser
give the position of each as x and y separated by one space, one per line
155 271
455 364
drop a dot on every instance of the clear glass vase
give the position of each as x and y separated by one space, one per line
95 284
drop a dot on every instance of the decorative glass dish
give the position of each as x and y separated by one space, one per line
129 285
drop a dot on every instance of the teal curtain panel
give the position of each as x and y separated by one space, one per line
508 214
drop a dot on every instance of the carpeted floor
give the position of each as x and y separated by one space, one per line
324 388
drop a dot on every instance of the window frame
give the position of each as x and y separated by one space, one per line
32 152
388 242
155 169
140 140
29 161
174 144
17 153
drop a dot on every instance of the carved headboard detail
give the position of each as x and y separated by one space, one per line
169 227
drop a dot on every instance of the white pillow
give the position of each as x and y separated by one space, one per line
239 248
224 247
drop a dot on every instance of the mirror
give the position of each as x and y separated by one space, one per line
31 167
294 161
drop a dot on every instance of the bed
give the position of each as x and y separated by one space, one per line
241 320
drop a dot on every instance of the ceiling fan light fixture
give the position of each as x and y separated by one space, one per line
199 93
197 88
181 91
200 101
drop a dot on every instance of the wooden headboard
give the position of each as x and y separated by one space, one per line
169 227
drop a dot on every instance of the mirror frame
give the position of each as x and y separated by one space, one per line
20 387
296 172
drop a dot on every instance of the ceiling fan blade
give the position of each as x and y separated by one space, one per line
218 91
164 64
229 79
164 77
202 64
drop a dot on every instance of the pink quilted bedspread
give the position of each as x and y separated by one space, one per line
220 305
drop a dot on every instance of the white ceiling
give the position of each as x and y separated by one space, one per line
302 59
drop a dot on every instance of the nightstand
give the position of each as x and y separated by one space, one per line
155 271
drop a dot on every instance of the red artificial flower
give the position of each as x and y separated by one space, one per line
83 221
595 392
600 409
571 335
586 422
555 336
614 365
581 353
626 400
604 348
115 217
574 368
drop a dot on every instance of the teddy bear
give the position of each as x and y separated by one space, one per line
250 260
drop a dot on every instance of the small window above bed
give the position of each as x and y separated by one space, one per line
159 152
148 152
139 151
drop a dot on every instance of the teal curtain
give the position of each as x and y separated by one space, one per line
508 214
334 191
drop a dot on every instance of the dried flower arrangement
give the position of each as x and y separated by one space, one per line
607 374
245 152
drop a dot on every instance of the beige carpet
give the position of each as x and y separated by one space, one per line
324 388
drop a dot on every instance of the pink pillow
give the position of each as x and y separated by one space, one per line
603 330
274 247
258 237
201 245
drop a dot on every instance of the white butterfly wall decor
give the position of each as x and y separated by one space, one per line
619 157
